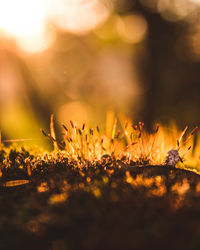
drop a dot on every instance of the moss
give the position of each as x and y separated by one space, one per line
2 155
56 202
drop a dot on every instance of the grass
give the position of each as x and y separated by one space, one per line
102 189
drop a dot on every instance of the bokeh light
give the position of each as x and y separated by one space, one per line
32 23
75 111
134 23
78 16
79 58
25 21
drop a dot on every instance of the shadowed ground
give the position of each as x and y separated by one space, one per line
107 205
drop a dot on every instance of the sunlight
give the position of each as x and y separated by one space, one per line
79 16
25 21
28 21
196 1
24 18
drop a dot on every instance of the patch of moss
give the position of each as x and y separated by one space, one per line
49 201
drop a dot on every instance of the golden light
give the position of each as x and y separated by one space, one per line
173 10
132 28
76 111
27 21
79 16
176 10
196 1
57 198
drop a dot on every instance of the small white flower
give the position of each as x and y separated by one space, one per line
172 158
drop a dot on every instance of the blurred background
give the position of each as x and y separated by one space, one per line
80 59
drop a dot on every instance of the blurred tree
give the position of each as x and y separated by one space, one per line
168 73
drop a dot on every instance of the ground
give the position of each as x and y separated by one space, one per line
59 204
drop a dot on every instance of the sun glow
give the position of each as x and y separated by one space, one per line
79 16
22 17
28 21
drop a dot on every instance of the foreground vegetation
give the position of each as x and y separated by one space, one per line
49 202
98 192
